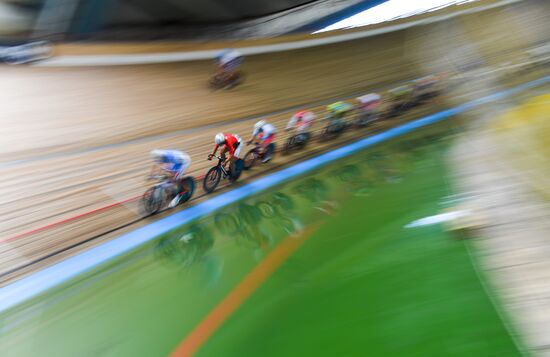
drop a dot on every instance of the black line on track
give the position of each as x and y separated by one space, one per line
63 250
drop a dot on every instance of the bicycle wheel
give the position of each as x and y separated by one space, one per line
237 79
303 140
270 150
212 179
188 186
289 145
250 159
153 199
236 170
328 133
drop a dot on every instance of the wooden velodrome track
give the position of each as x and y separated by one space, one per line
78 139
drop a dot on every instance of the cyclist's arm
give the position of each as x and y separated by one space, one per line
155 169
231 150
159 169
215 150
291 123
229 157
252 138
254 135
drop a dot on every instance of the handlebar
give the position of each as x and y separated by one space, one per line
157 177
216 156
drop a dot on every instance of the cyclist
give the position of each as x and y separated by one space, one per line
425 88
400 99
368 107
172 164
231 143
265 132
337 113
338 110
228 62
301 121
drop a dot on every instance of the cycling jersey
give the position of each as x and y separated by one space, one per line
301 120
175 161
232 144
337 111
339 108
230 60
267 130
369 101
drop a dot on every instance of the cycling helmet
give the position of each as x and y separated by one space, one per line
158 155
259 125
219 139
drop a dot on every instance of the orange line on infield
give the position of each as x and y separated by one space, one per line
239 294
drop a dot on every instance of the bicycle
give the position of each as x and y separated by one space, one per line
296 142
214 174
227 81
164 191
258 153
366 118
333 129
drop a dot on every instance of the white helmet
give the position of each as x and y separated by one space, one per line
219 139
259 124
157 154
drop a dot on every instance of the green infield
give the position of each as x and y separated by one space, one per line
320 266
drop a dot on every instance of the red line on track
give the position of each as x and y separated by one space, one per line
70 219
74 218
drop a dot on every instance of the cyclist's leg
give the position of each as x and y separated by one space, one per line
223 155
268 140
180 176
177 172
237 153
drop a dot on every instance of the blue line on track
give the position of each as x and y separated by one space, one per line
57 274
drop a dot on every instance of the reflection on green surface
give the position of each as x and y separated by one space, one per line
360 285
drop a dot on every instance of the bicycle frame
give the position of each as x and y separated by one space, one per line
224 171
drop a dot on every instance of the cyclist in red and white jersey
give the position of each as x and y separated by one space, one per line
265 133
231 144
301 121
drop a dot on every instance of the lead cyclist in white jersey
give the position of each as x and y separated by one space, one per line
173 164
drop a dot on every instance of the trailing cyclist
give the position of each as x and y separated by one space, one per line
172 164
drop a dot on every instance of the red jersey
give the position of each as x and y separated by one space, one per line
231 143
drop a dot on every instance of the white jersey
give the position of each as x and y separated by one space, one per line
301 121
174 161
267 129
228 56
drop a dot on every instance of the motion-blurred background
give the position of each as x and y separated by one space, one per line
432 243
